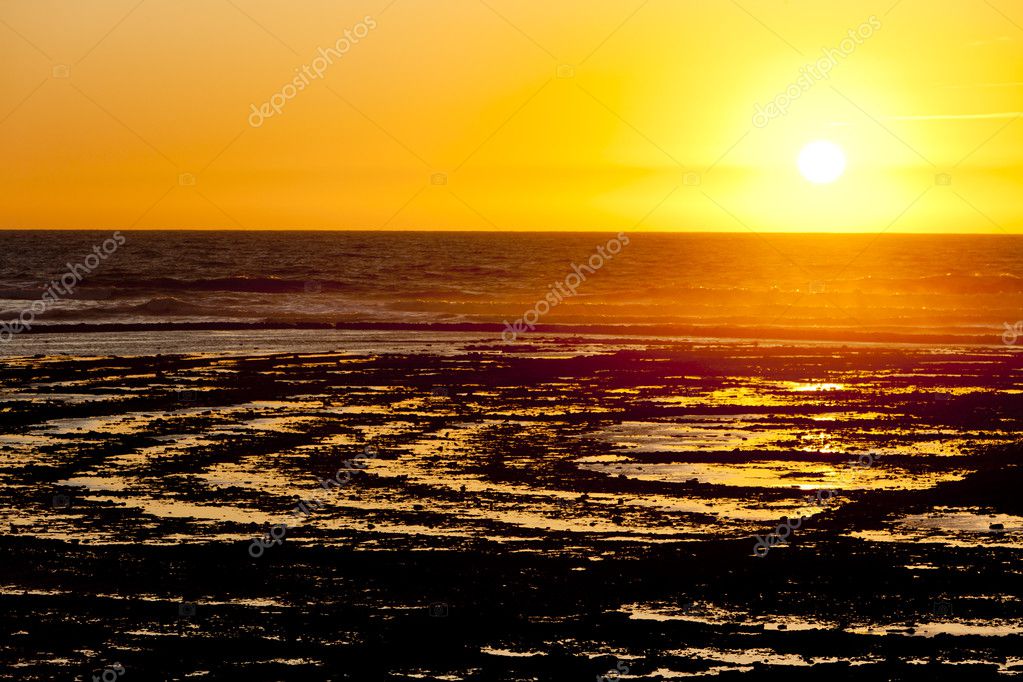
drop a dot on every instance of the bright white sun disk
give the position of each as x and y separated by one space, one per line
821 162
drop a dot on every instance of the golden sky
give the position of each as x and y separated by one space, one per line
510 114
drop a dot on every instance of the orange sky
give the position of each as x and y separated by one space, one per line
510 114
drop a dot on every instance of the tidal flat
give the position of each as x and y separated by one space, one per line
546 511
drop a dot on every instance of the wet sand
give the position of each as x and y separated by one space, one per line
559 509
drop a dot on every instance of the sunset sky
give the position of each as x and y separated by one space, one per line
510 114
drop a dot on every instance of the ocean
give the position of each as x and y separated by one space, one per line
890 288
696 455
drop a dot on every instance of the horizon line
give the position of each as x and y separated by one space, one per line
587 230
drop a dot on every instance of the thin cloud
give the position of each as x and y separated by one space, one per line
957 117
989 41
970 86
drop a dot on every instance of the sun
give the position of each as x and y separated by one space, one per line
821 162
